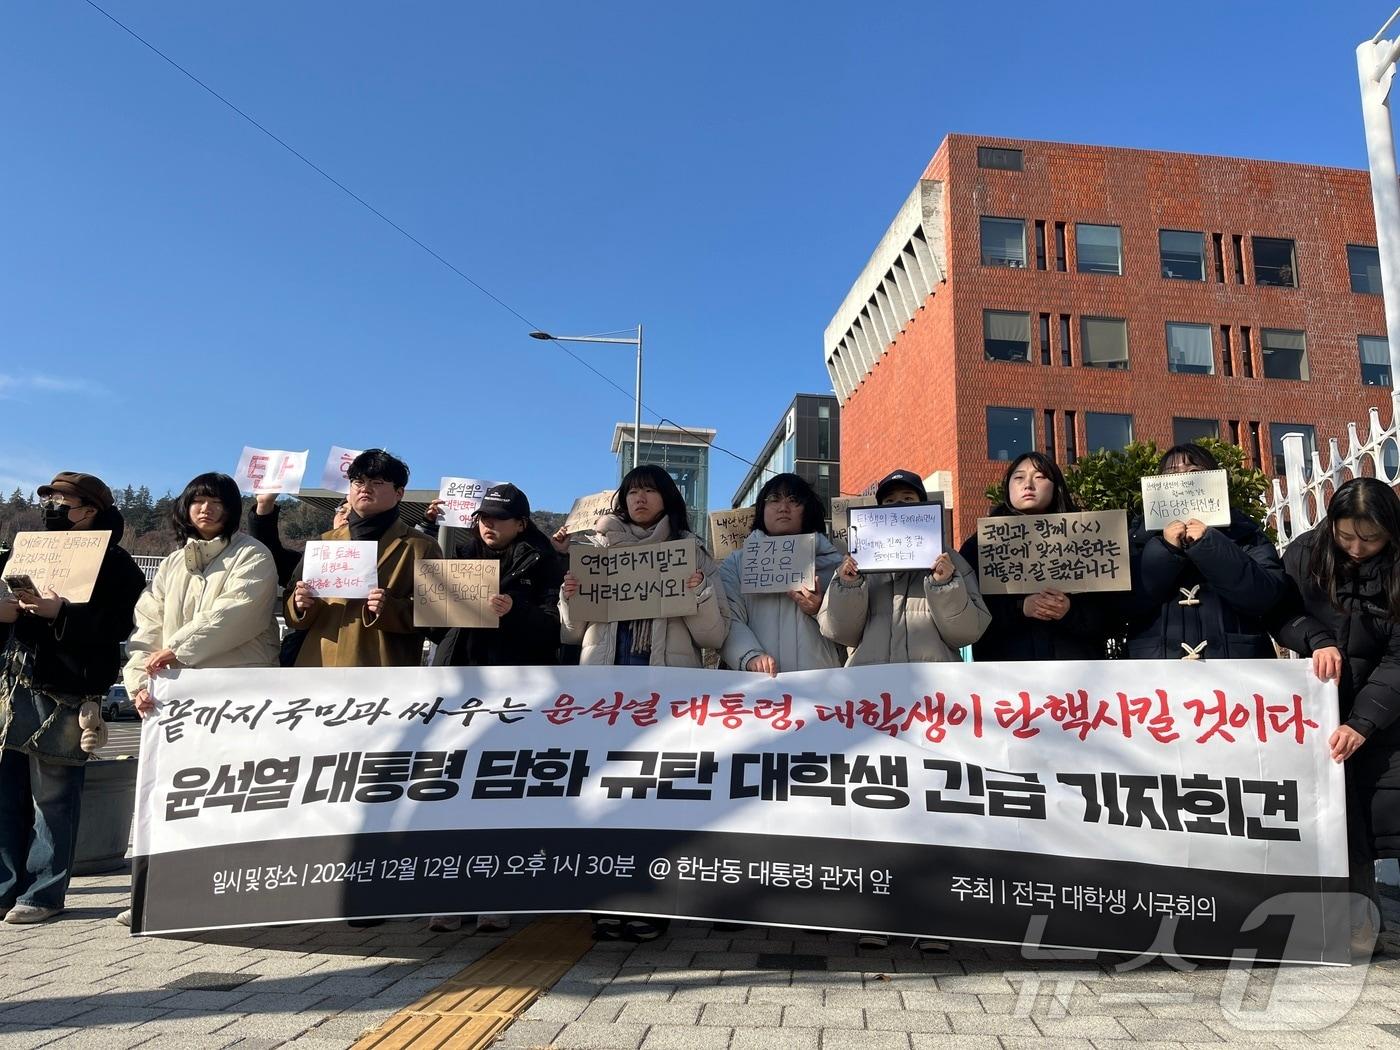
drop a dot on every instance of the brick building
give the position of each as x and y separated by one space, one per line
1066 298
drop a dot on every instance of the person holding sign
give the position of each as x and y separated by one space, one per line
376 631
1199 591
263 527
59 657
769 633
1048 625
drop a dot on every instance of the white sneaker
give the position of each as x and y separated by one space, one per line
444 923
492 923
873 940
29 914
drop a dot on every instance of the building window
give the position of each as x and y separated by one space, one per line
1364 264
999 159
1375 360
1247 351
1183 254
1275 262
1217 252
1185 431
1276 433
824 432
1048 432
1110 430
1098 249
1060 247
1227 352
1103 342
1237 245
1065 353
1071 438
1003 242
1044 339
1189 348
1040 244
1006 336
1285 354
1009 432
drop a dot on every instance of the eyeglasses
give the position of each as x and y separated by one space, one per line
370 483
782 501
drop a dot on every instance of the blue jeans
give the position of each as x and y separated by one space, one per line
39 808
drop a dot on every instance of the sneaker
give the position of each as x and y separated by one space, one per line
607 929
444 924
492 923
124 916
932 945
873 940
29 914
640 930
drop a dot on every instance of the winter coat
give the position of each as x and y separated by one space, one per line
340 632
773 624
531 573
905 617
212 603
1218 591
265 528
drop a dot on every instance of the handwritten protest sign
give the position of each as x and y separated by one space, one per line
1026 553
461 499
778 564
270 470
333 474
840 517
66 561
643 582
450 592
1203 495
341 569
587 510
897 536
728 530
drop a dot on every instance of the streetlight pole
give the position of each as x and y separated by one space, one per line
637 405
1375 65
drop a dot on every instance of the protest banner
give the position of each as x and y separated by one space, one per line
341 568
455 592
461 498
840 518
262 470
1203 495
640 582
587 510
1137 807
333 474
728 530
1026 553
896 537
778 564
66 561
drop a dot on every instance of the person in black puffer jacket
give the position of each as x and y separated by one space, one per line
1344 612
1199 591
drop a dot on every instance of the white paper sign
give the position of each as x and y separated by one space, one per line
778 564
1203 495
341 568
461 498
897 536
270 470
333 474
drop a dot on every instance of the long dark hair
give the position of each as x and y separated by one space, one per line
1061 502
222 488
794 486
650 476
1371 501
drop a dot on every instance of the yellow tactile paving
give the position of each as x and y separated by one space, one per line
469 1009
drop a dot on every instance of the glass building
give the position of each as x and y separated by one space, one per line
806 441
684 452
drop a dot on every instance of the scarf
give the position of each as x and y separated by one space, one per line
200 554
375 526
612 531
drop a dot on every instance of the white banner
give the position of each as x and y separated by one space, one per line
945 800
269 470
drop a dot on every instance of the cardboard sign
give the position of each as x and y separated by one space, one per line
586 511
333 474
640 582
455 592
1203 495
270 470
341 568
778 564
461 499
896 537
728 530
840 518
1026 553
66 561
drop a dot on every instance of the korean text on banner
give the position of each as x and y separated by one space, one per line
334 474
461 498
1129 806
728 530
641 582
778 564
262 470
1203 495
66 561
455 592
341 568
840 518
896 537
1026 553
587 510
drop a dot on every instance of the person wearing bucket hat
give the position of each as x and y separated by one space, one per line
59 658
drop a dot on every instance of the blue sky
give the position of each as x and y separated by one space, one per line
174 285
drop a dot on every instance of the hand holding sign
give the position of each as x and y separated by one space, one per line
778 564
341 569
1202 495
1069 553
459 499
61 563
458 593
898 537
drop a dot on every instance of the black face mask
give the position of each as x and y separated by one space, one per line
56 517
